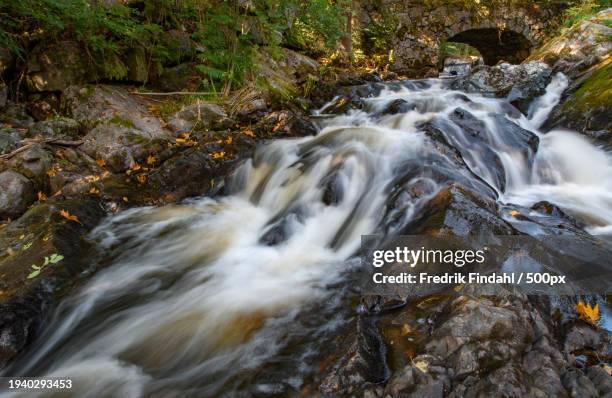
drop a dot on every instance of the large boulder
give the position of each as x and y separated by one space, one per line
520 84
120 146
199 116
586 105
120 130
60 127
585 44
183 77
59 65
16 194
95 104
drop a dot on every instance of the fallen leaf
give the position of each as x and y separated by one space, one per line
68 216
249 133
51 173
514 213
422 366
587 313
125 199
101 162
229 141
151 160
141 178
41 196
94 191
218 154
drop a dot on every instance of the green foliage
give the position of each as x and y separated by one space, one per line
580 10
223 35
53 259
458 50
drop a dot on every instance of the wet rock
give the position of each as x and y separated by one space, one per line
40 232
16 194
9 140
520 84
364 362
582 337
59 65
60 127
585 106
199 116
552 210
602 380
97 104
285 124
342 105
458 211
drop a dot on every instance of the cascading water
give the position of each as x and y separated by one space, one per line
199 296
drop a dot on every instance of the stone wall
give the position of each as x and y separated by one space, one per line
499 30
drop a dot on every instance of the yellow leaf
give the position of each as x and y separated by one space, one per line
229 141
51 173
422 366
125 199
587 313
68 216
141 178
151 160
41 196
180 140
249 133
101 162
218 154
94 191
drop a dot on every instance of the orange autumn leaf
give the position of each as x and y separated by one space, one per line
249 133
141 178
218 154
41 196
151 160
229 141
587 313
68 216
101 162
514 213
94 191
51 173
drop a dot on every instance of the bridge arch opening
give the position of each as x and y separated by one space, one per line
495 44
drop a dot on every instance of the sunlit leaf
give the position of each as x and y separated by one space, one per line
68 216
587 313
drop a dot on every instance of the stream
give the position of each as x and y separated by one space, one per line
243 291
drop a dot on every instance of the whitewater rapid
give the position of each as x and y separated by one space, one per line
198 292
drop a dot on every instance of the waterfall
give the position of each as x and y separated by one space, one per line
200 292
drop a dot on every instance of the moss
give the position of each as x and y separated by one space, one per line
122 122
595 91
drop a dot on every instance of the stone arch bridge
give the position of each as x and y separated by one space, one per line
499 29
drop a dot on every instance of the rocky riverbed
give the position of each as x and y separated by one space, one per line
77 152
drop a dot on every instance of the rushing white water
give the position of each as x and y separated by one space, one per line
198 292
